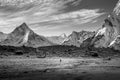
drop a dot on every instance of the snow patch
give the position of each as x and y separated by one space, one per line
101 31
65 40
26 37
113 41
63 35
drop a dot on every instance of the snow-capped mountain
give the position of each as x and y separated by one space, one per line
109 34
57 39
23 35
77 38
63 35
109 31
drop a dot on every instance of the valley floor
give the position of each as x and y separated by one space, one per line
59 68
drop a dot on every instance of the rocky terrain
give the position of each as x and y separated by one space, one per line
77 38
108 35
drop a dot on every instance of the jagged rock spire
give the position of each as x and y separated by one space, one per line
24 26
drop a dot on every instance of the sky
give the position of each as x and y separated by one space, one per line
54 17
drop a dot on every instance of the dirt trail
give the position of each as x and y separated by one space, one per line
59 69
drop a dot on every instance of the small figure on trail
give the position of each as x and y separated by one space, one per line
60 60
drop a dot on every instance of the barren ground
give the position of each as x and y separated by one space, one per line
21 68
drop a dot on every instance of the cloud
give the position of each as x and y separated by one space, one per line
94 21
44 14
80 15
32 10
71 18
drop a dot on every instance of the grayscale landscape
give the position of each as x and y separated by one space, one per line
59 39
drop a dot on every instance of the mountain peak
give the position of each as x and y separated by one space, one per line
24 26
74 32
63 35
21 30
117 8
24 23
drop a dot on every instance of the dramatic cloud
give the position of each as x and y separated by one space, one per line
68 19
80 16
44 15
30 10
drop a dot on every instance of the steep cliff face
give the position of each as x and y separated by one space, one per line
108 32
108 35
23 35
77 38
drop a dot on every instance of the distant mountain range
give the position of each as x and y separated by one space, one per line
107 36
